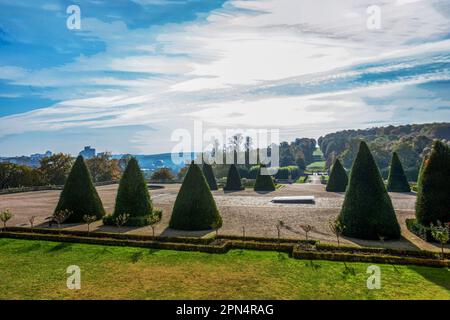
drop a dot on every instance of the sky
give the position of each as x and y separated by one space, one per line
138 70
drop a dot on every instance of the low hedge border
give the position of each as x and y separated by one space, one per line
381 251
108 235
296 249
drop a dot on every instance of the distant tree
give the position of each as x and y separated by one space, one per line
163 174
103 168
195 208
233 180
79 195
433 189
367 211
123 161
209 175
264 182
182 173
397 181
55 169
338 178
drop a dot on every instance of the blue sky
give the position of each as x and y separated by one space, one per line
138 70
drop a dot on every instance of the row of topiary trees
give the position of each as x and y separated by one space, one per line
79 198
367 211
397 181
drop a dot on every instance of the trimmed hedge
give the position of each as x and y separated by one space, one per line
338 180
433 188
195 208
209 175
367 211
233 180
79 195
264 182
222 246
397 181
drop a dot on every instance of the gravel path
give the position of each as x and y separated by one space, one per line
246 208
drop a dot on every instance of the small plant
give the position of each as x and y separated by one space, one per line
307 228
153 220
280 224
31 221
441 233
89 219
121 219
5 216
243 232
61 216
216 226
337 227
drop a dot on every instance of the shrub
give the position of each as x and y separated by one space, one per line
264 182
79 195
433 188
209 175
367 211
338 180
132 198
397 181
253 172
233 180
283 173
195 208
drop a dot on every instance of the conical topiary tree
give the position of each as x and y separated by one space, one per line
209 175
433 189
79 195
233 180
367 211
132 197
397 181
338 178
264 182
195 208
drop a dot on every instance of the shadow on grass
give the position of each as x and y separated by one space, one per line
439 276
60 246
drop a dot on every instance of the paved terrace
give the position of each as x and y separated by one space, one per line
246 208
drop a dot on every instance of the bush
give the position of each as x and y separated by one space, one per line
433 188
283 173
132 198
233 180
79 195
195 208
338 180
264 182
209 175
397 181
253 172
367 212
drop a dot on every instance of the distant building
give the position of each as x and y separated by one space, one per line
88 152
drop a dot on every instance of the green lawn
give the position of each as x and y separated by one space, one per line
37 270
316 166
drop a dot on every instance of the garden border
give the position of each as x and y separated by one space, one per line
297 249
